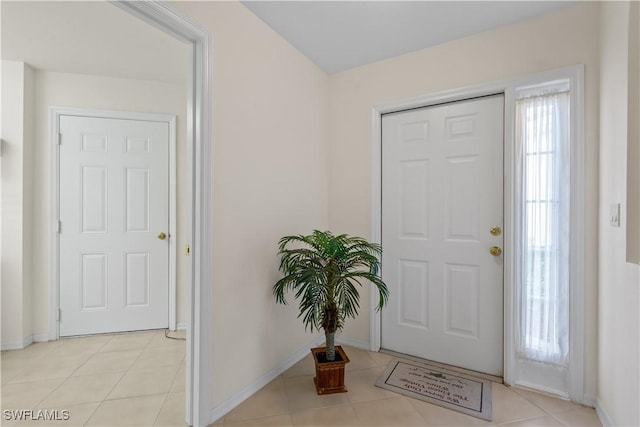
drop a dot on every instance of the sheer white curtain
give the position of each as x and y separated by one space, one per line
542 138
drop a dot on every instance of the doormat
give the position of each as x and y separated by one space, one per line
458 392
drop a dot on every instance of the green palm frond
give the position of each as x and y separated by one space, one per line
324 272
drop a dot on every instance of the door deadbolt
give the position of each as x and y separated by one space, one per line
495 230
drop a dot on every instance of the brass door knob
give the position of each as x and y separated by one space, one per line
162 236
495 230
495 250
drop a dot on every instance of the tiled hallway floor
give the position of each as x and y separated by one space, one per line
291 400
104 380
138 379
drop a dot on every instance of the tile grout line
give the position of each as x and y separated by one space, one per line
122 375
70 374
126 371
92 413
544 410
89 358
155 420
130 369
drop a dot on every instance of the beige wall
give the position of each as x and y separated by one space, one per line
270 165
619 281
16 203
566 37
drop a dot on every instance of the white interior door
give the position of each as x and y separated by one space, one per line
442 192
114 203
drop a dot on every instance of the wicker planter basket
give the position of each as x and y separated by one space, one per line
329 375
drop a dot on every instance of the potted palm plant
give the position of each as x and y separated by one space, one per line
324 271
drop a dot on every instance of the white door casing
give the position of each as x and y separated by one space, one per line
114 201
442 191
199 136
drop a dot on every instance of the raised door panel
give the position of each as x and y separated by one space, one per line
414 294
414 192
461 282
94 279
93 199
136 279
136 200
462 198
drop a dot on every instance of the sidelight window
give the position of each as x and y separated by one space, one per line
543 238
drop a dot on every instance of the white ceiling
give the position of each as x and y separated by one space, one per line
95 37
89 37
338 35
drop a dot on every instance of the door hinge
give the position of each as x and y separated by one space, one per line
187 250
59 315
59 227
59 138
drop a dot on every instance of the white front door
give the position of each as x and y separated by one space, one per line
442 193
114 203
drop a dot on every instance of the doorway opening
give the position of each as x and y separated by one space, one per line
197 189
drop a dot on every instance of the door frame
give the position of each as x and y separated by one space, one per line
508 87
428 100
55 113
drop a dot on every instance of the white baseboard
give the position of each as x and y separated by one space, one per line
17 345
363 345
41 337
181 326
233 401
589 400
602 414
27 341
545 390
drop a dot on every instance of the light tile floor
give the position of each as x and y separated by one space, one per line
135 379
291 400
138 379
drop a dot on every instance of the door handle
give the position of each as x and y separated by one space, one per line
162 236
495 250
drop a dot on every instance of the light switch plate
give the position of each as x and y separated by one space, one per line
614 214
